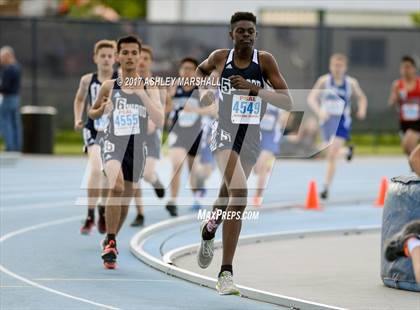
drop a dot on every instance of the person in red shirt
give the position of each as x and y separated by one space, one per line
405 94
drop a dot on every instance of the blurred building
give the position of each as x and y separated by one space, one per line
303 12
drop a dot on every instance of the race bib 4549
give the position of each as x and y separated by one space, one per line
246 110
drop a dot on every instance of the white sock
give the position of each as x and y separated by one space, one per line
412 243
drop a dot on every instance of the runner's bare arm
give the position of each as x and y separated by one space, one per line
79 100
280 97
314 95
151 127
210 110
361 99
212 67
151 99
102 101
393 96
169 95
215 61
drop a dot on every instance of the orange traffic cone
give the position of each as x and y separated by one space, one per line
312 202
380 201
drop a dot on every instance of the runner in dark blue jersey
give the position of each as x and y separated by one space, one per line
243 73
104 58
153 141
185 129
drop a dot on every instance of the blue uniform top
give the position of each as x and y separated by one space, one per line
336 101
101 123
270 121
182 121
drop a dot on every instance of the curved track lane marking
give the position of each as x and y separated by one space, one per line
37 285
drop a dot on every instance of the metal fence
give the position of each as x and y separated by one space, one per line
54 54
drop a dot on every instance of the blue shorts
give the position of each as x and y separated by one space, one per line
91 137
206 156
336 127
270 141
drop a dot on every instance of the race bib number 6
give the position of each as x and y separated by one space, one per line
246 110
126 119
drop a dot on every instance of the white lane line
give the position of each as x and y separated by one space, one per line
45 194
46 205
37 285
14 286
99 279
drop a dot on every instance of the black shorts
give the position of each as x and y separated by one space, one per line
90 137
248 149
404 126
189 141
132 156
153 145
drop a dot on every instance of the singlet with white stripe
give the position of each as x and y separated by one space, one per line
93 90
270 121
337 101
240 113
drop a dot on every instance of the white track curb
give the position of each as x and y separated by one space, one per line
165 264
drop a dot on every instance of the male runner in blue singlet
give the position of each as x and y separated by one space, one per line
104 58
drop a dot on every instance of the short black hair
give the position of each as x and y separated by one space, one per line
189 59
409 59
242 16
128 39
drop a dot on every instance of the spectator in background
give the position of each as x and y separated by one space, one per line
10 122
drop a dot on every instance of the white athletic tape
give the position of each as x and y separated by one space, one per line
412 243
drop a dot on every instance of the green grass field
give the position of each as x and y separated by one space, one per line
70 143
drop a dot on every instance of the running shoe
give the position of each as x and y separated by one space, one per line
101 220
225 285
109 255
87 227
138 221
206 251
350 153
324 194
395 247
172 209
159 189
